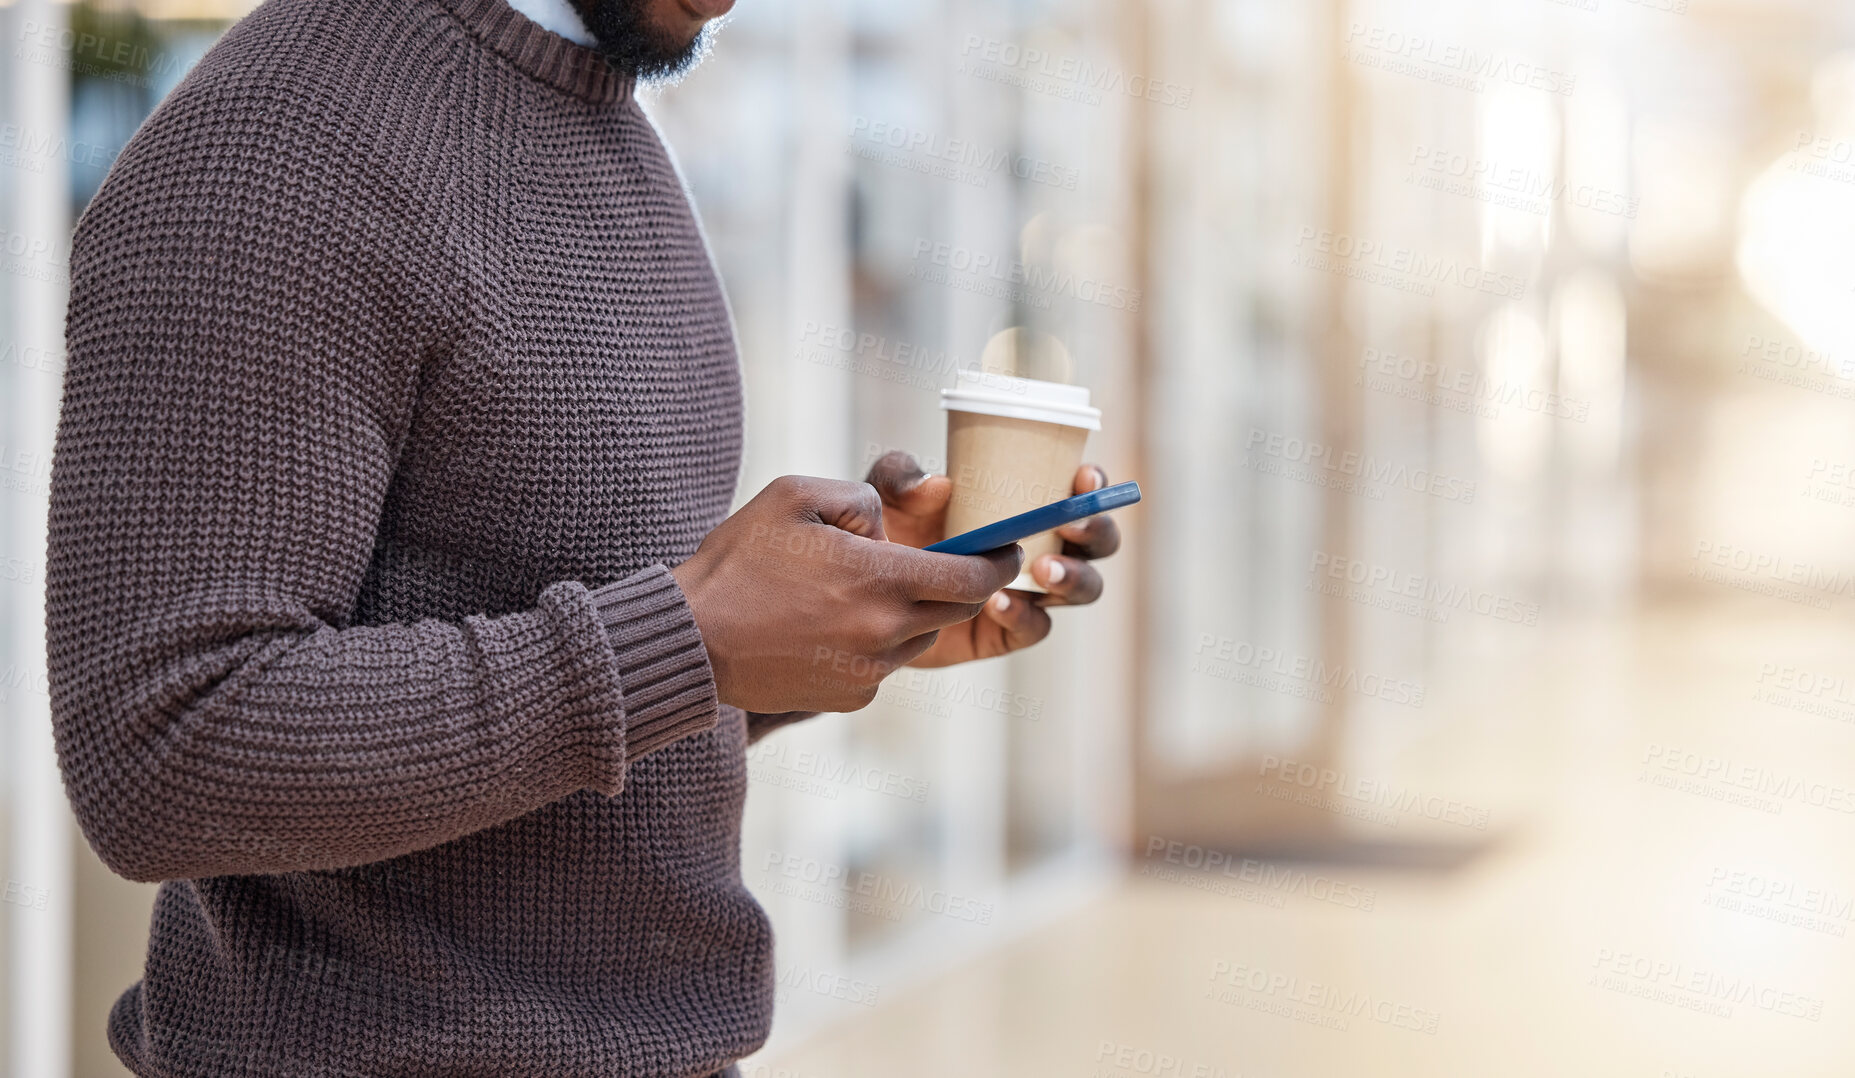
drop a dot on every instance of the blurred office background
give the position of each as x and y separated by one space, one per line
1474 692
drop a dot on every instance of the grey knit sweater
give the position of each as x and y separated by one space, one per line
398 371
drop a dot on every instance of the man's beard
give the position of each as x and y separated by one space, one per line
636 46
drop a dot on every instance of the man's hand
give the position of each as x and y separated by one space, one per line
914 511
803 605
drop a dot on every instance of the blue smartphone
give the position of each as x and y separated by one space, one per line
1054 515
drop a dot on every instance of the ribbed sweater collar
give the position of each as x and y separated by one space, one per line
541 54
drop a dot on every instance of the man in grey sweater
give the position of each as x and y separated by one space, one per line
396 620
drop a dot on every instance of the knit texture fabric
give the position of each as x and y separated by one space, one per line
398 372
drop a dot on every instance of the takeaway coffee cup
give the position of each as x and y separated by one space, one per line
1013 444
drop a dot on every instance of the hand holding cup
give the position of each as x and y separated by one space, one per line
914 510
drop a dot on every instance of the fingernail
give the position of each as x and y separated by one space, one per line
1000 603
1101 478
1053 572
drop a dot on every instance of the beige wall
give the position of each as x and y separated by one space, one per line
112 918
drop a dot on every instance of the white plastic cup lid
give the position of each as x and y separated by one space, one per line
986 393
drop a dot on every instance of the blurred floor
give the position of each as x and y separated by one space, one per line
1618 926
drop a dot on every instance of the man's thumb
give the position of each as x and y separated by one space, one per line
852 507
895 476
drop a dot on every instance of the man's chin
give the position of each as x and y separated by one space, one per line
705 10
652 39
683 32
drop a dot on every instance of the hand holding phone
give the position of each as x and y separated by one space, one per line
1008 531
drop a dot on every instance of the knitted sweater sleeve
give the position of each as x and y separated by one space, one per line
247 325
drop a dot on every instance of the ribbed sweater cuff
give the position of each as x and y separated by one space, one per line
663 669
